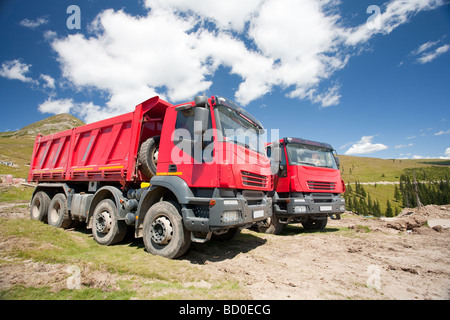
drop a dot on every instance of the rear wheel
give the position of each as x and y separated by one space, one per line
39 206
164 233
58 215
106 229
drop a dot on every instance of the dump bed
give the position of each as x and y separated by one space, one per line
101 151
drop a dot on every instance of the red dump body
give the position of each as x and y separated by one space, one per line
101 151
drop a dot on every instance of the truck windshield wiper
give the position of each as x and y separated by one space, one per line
242 144
307 163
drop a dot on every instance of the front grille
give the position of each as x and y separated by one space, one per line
201 211
321 185
253 180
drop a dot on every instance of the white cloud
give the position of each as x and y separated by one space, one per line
230 14
403 146
429 51
176 48
49 81
16 70
365 145
50 35
447 153
87 111
425 46
391 16
430 56
442 132
56 106
33 23
129 57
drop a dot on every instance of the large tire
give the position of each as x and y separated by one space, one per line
39 206
275 227
164 233
148 156
106 229
315 224
58 215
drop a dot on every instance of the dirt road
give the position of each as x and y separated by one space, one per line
354 258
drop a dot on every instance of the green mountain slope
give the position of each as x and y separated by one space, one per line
16 147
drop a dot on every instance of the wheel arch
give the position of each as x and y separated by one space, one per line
169 188
51 189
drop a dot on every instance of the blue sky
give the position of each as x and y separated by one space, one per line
372 78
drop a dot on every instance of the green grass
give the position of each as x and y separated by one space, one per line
141 275
364 169
18 151
45 293
16 194
382 193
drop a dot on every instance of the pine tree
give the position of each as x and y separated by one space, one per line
363 206
397 194
389 212
376 209
349 204
369 205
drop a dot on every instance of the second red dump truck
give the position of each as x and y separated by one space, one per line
308 184
206 165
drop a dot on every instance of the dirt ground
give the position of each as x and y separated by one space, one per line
353 258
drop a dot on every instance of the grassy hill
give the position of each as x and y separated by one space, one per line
373 173
17 146
364 169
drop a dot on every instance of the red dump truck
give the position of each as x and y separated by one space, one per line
176 173
307 184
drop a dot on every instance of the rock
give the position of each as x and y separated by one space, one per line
409 223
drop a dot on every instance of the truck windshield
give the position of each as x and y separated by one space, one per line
308 155
239 129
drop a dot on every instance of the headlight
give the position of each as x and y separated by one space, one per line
299 209
230 216
342 207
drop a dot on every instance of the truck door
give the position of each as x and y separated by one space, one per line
188 155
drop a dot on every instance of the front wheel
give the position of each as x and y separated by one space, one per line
164 233
315 224
274 226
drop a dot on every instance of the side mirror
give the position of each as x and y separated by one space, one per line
338 162
275 158
201 119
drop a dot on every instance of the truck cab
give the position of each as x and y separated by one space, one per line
307 184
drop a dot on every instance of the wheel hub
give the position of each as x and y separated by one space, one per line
161 231
103 222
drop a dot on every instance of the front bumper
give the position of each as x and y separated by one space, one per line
226 213
313 204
